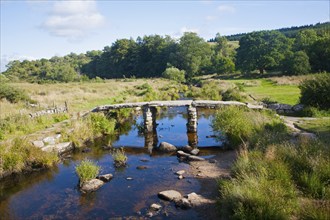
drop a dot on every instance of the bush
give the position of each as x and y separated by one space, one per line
233 94
19 154
175 74
235 123
12 94
119 157
87 170
315 91
101 124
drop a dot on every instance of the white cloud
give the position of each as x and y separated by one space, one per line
73 19
210 18
226 9
5 59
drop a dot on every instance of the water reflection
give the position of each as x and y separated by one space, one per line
53 194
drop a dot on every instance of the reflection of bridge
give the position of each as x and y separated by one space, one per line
149 111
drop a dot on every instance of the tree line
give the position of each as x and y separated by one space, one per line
190 56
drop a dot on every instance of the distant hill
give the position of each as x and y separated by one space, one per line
288 32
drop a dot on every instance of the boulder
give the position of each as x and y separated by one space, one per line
183 203
278 107
166 147
195 158
91 185
39 144
59 148
49 140
198 200
169 195
155 207
194 151
180 153
105 177
187 148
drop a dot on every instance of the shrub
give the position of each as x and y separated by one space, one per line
233 94
315 91
235 123
19 154
12 94
101 124
175 74
87 170
119 157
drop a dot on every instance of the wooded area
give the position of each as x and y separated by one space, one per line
153 56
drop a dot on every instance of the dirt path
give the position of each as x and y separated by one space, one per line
208 173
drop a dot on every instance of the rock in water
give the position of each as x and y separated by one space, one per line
105 177
197 200
195 158
91 185
180 153
169 195
183 203
166 147
194 151
155 206
180 172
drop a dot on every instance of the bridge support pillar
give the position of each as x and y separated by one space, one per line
192 119
149 116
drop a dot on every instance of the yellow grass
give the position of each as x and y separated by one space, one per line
80 96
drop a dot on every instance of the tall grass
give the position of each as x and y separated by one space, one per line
272 172
119 157
87 170
19 154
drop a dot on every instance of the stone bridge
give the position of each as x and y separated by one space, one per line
149 110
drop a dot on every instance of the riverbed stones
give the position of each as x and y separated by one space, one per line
180 172
183 203
180 177
169 195
166 147
91 185
105 177
180 153
155 207
194 151
195 158
187 148
141 167
198 200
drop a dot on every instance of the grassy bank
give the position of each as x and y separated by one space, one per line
295 173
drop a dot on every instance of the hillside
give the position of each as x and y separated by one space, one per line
289 31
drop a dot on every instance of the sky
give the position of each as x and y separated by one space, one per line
34 29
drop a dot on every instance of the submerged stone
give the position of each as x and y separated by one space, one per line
169 195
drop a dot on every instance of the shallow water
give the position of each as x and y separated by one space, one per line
53 194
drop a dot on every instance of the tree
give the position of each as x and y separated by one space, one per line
320 54
223 56
304 40
193 54
296 63
261 51
174 74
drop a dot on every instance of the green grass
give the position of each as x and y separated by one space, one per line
19 154
87 170
262 88
273 175
119 157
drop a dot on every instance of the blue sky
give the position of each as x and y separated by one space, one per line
33 29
